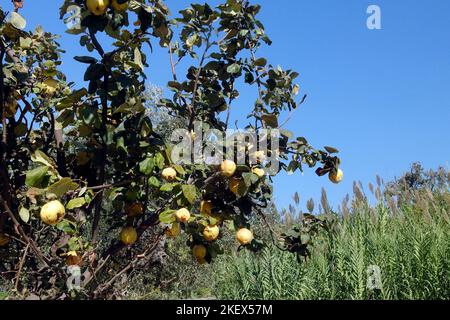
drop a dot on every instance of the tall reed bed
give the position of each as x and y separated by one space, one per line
398 248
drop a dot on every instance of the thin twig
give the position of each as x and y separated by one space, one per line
152 220
104 149
229 106
197 78
126 45
97 270
272 232
3 142
96 44
258 81
109 185
2 100
172 65
130 265
291 113
24 110
22 261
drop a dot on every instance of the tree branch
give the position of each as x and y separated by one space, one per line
172 65
258 81
3 143
60 155
22 261
104 148
130 265
22 233
2 105
197 77
96 44
18 4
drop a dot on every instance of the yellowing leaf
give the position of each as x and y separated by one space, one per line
331 149
138 58
25 43
179 169
271 120
76 203
167 216
167 187
61 187
17 21
189 192
42 158
24 214
146 166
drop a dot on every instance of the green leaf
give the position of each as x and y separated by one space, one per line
41 158
234 68
20 129
74 244
192 40
332 150
179 169
286 133
167 187
167 216
261 62
66 226
242 189
189 192
24 214
124 108
213 220
25 43
250 178
94 72
174 85
35 176
61 187
76 203
249 78
85 59
71 99
214 249
271 84
231 226
89 115
138 58
160 161
293 165
271 120
17 21
146 166
121 144
154 182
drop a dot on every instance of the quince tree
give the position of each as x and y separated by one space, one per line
86 181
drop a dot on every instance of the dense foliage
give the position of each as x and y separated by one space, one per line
81 166
406 242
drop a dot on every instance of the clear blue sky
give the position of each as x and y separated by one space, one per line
380 96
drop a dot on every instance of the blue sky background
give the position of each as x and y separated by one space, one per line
380 96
